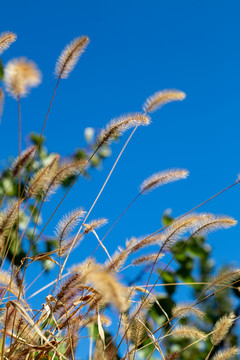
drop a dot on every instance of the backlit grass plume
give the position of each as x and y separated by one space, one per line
23 160
65 228
221 328
210 223
188 332
162 178
6 39
182 310
161 98
226 354
70 56
118 126
109 288
20 75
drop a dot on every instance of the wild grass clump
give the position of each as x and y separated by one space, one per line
86 298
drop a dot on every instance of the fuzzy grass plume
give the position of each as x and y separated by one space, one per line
20 75
70 56
161 98
162 178
6 39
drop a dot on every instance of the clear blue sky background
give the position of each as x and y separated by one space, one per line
137 48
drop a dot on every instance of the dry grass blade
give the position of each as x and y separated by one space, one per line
161 98
162 178
27 317
70 56
152 338
20 75
6 39
182 310
117 127
226 354
222 328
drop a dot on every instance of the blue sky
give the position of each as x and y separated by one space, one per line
137 48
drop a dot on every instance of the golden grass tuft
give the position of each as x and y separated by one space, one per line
226 354
162 178
20 75
161 98
222 328
25 157
183 310
6 39
70 56
109 288
210 223
189 332
118 126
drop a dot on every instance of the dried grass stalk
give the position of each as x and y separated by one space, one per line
2 96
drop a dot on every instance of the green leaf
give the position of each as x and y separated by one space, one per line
1 70
36 139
